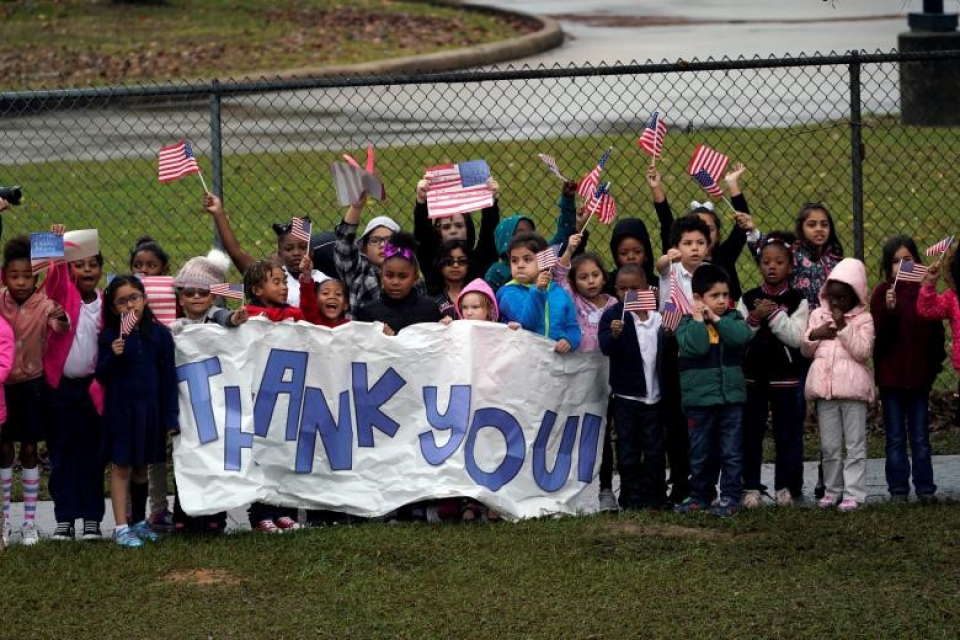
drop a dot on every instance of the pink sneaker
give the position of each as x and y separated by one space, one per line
266 526
287 523
849 505
826 502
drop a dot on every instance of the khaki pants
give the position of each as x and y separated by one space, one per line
844 423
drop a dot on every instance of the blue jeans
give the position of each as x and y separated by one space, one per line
716 442
640 453
906 415
787 426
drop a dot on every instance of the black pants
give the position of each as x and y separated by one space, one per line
675 422
640 442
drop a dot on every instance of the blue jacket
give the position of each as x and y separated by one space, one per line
550 313
626 359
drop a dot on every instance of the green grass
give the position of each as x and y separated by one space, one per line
78 42
887 571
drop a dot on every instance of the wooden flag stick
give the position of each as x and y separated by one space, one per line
893 287
724 198
200 175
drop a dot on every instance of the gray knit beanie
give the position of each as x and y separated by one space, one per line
203 271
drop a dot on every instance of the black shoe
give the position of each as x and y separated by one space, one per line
64 531
91 530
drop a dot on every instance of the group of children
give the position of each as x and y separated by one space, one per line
698 395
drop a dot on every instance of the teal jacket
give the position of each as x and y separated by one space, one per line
710 368
499 272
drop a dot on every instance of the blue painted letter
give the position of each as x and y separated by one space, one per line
456 420
589 438
197 375
510 429
551 481
272 385
337 437
235 440
368 401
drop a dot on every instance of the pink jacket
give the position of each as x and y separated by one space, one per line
32 328
942 307
839 369
60 288
478 285
7 353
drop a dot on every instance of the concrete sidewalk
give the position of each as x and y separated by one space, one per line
946 473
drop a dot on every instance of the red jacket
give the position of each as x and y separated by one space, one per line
908 352
308 310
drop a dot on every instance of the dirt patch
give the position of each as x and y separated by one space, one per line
201 577
668 531
670 21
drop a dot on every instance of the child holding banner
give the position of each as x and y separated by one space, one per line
534 300
631 340
137 369
907 357
33 317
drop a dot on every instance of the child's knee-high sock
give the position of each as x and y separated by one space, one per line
138 501
30 479
6 478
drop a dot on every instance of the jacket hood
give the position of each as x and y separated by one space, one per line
852 272
505 230
633 228
480 286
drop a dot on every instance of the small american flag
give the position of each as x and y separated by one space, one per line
590 181
300 229
910 271
602 204
640 300
177 161
671 316
233 291
709 185
546 259
127 322
678 297
458 188
651 140
940 248
551 163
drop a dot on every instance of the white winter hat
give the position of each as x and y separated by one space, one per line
379 221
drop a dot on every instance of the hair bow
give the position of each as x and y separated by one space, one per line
769 240
694 205
392 251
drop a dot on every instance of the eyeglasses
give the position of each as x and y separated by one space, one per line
376 241
194 292
454 262
130 299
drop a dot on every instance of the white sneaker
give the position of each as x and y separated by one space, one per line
784 499
7 533
750 499
608 501
28 534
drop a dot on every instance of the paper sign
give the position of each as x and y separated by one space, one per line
45 245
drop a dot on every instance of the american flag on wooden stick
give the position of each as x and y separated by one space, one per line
590 181
635 300
300 229
233 291
706 181
127 322
602 204
546 259
651 140
706 166
176 161
551 163
910 271
940 247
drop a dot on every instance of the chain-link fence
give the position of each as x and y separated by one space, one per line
823 128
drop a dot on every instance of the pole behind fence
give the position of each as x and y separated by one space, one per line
856 156
216 152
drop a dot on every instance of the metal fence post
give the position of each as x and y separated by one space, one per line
856 156
216 152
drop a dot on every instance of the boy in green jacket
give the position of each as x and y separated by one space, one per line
713 390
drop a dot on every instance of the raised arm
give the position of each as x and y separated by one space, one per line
241 259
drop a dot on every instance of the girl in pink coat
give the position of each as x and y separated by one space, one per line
945 305
839 339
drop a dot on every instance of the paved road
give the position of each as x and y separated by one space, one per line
324 120
946 471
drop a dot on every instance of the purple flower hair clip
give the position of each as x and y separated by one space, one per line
390 250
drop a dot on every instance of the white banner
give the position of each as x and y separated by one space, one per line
351 420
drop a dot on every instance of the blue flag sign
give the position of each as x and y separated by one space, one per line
46 245
474 173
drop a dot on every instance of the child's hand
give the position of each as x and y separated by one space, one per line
57 313
933 274
698 308
239 316
763 309
173 431
891 299
562 346
744 221
838 318
573 242
616 326
513 326
361 201
422 191
734 176
58 229
583 215
543 280
825 332
212 204
494 186
446 321
4 205
673 255
306 270
709 315
569 188
117 346
387 331
653 178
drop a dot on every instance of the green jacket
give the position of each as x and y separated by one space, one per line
710 374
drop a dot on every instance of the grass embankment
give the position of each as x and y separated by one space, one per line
886 571
80 42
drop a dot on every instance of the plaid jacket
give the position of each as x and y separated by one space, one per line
361 277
